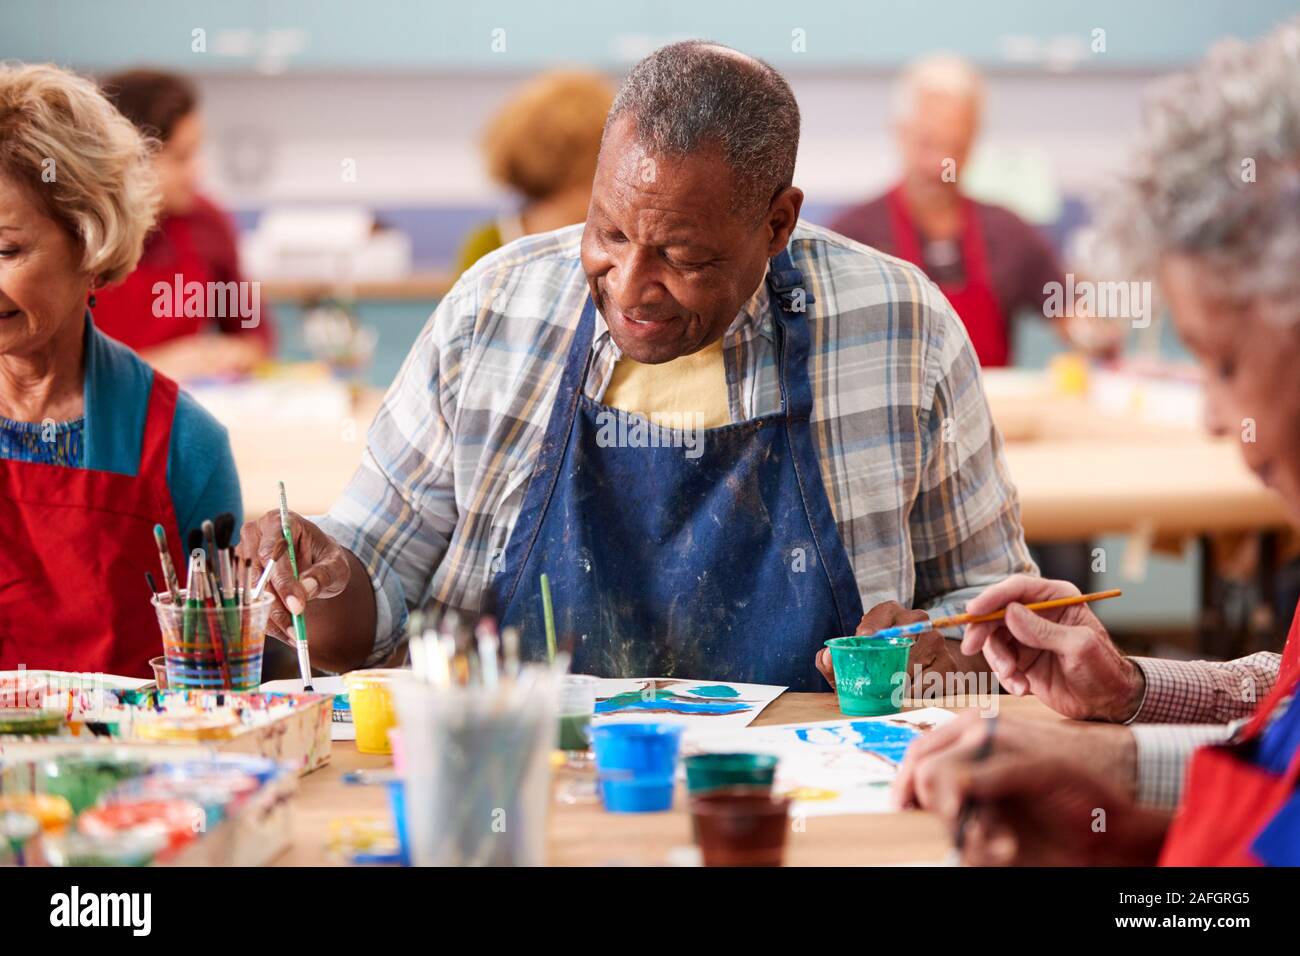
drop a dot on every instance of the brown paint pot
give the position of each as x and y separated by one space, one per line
740 826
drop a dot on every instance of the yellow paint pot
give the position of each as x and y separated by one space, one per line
53 812
371 700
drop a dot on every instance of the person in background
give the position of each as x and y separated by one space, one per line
1226 250
95 446
194 239
988 261
542 146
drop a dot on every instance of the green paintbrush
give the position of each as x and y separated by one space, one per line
299 620
549 613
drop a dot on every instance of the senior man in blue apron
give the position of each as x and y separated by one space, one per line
721 432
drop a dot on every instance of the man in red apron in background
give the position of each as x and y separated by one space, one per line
988 261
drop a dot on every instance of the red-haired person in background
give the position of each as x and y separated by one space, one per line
194 240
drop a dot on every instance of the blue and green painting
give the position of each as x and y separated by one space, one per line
888 740
670 697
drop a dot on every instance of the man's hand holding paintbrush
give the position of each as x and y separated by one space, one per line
338 611
1063 656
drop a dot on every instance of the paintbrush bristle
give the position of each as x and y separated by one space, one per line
284 505
224 529
160 536
194 540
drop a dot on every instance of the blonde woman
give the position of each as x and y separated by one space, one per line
95 447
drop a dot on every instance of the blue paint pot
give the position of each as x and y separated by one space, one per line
637 795
635 765
397 803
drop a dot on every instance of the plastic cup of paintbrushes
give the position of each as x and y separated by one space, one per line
740 827
707 772
477 769
636 765
371 699
213 648
869 673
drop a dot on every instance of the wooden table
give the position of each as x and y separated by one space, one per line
1084 471
584 835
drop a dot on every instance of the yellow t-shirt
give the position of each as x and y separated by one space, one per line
674 392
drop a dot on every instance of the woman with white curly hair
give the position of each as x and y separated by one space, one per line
95 446
1210 206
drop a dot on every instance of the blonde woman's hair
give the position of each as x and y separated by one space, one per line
547 136
82 160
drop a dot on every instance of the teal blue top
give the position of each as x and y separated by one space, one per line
200 467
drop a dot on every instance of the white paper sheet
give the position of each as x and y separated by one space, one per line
341 727
831 766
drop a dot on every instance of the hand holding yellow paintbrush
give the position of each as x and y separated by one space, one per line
960 620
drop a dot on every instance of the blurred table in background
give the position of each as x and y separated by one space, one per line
1127 457
1081 470
300 427
418 286
1119 460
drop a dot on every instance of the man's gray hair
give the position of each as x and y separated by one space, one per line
696 94
1216 172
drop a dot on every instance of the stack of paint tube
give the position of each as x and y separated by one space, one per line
477 729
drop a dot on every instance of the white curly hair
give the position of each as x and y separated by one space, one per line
1216 173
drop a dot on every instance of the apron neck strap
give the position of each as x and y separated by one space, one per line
156 442
790 301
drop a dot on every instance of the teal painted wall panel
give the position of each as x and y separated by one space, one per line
441 35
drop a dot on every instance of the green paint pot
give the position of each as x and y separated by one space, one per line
706 772
869 673
82 778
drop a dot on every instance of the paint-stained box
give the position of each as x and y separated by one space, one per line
287 728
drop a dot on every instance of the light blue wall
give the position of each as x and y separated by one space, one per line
418 34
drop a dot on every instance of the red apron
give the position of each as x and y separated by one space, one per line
974 302
1228 799
126 312
76 546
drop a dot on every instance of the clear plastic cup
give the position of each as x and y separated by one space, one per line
477 769
577 707
213 648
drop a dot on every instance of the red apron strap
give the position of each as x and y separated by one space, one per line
974 258
156 444
907 245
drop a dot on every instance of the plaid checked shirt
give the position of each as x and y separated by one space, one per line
910 459
1190 704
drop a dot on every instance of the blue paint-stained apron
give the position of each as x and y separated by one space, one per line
716 559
